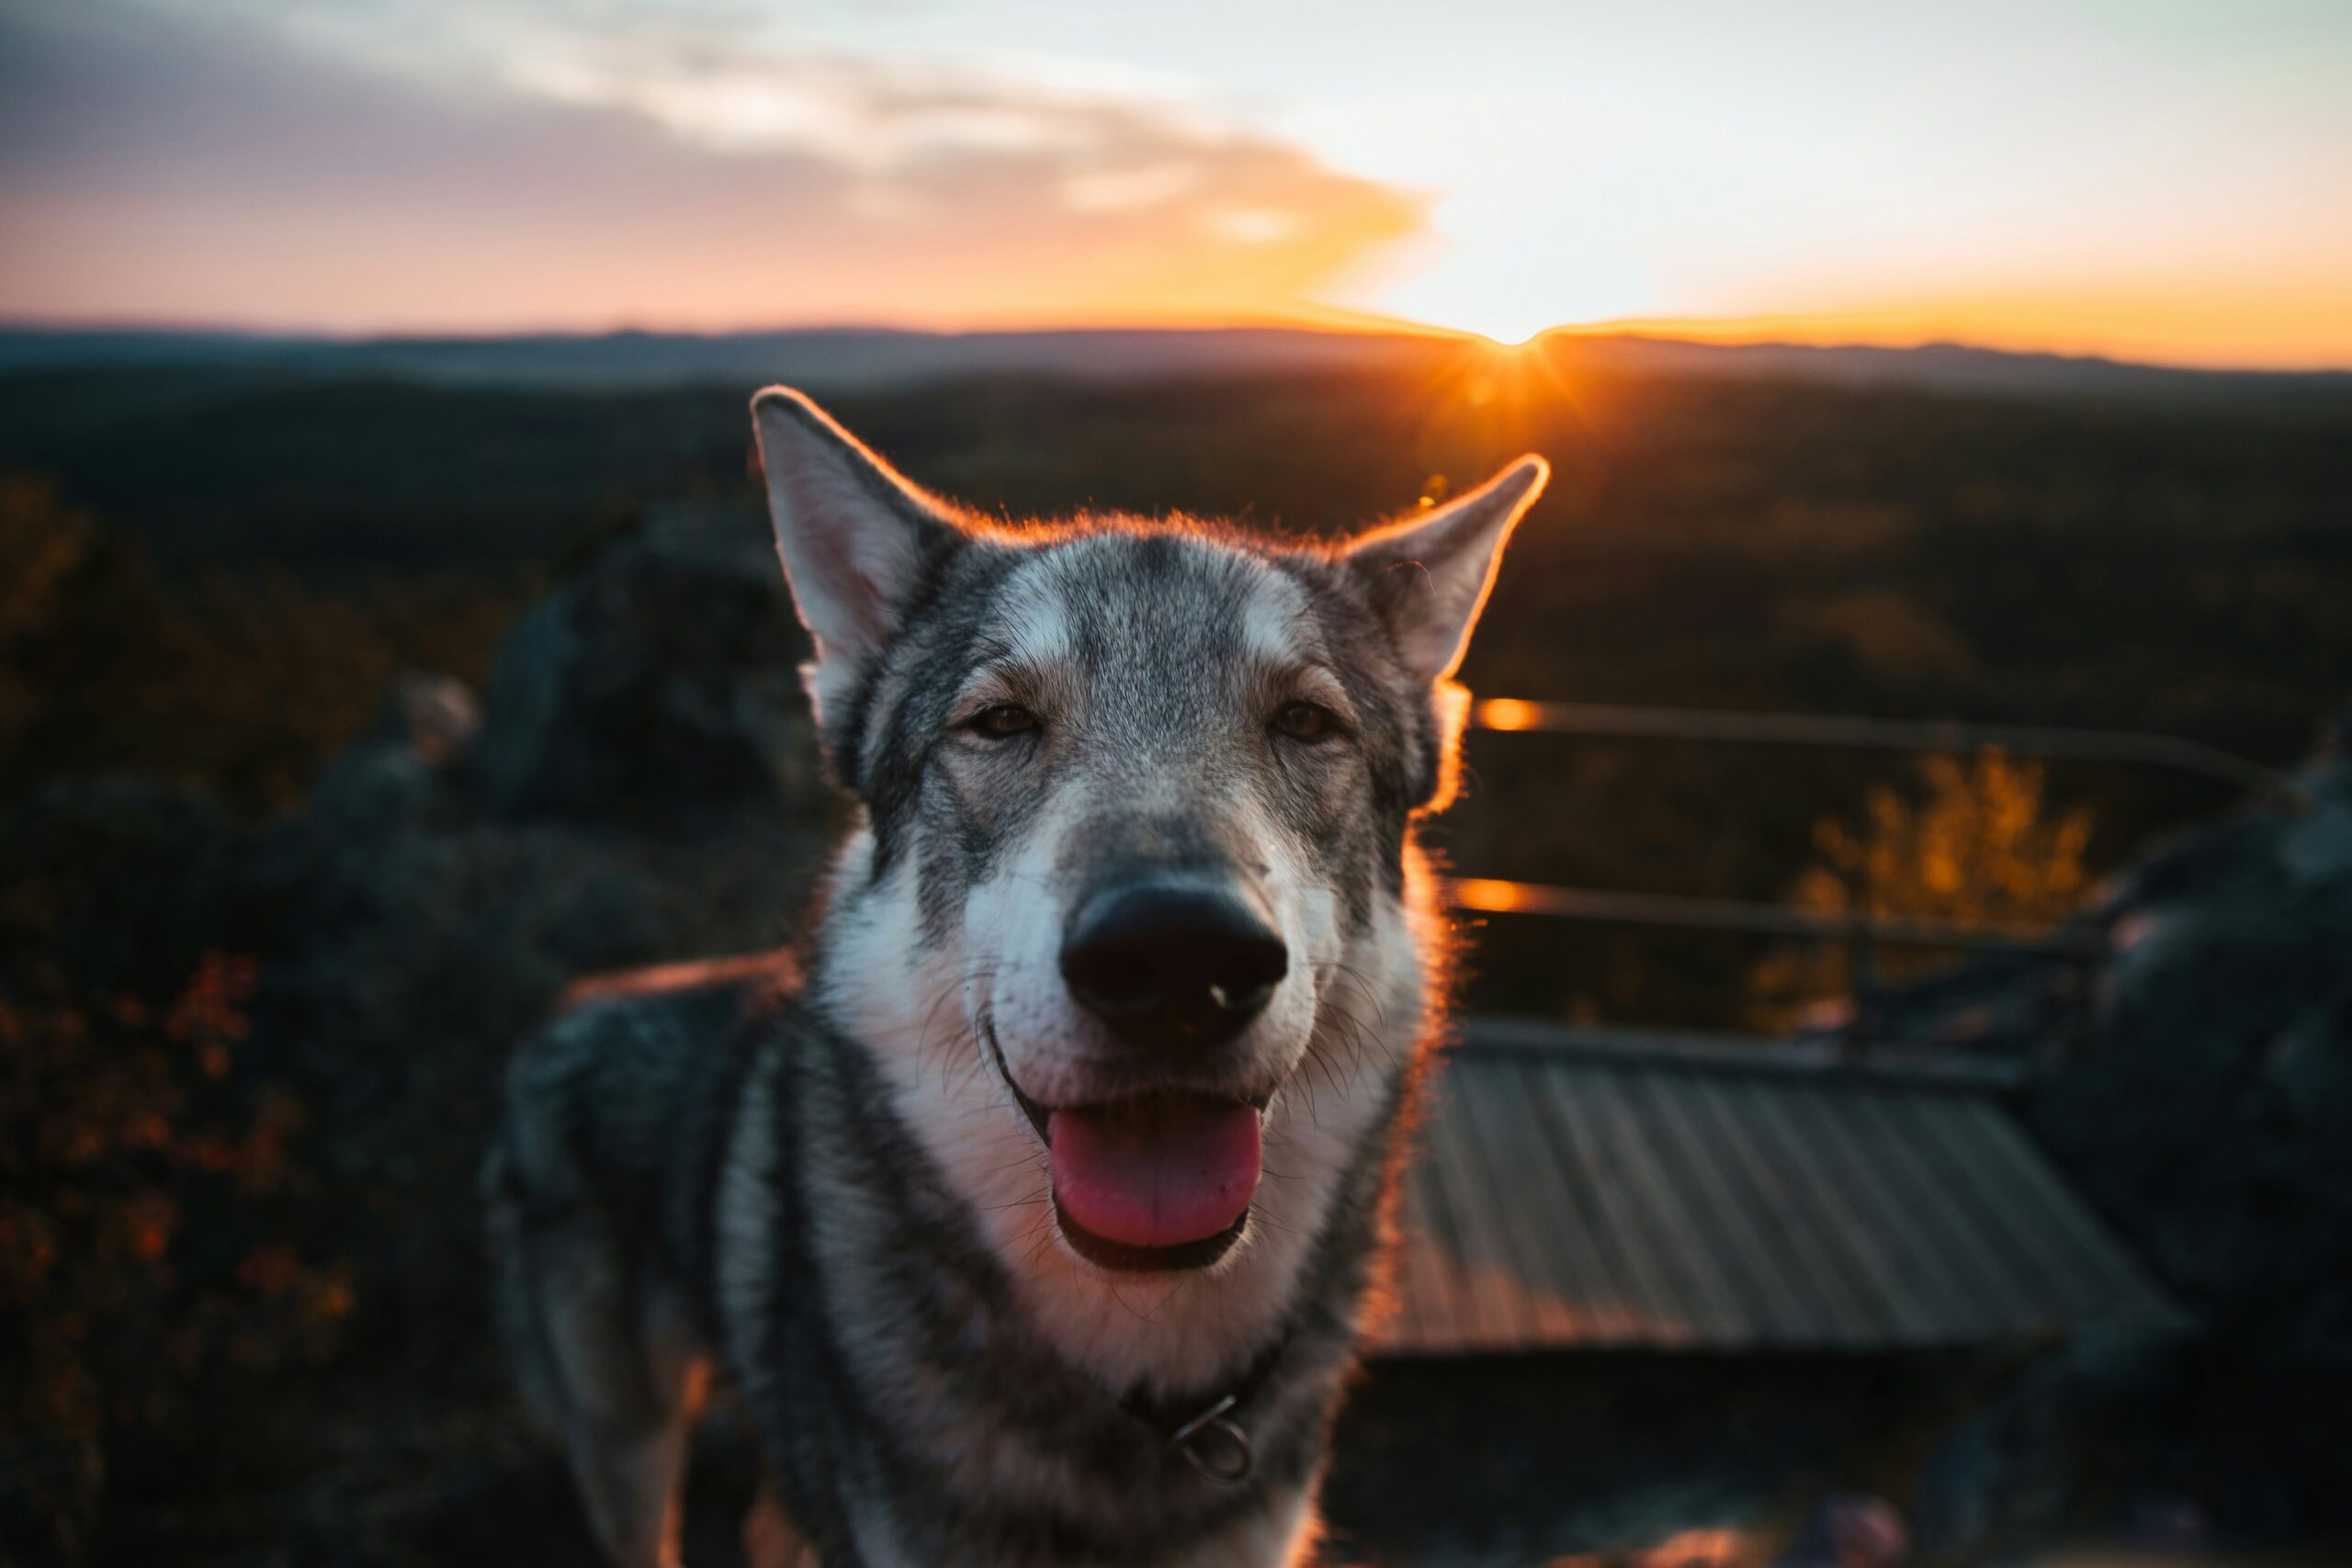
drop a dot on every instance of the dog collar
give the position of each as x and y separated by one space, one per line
1211 1438
1216 1444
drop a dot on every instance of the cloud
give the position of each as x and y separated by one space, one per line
723 77
414 163
1138 186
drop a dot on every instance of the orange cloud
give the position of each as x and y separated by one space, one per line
234 179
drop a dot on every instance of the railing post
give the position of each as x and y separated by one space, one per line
1862 1025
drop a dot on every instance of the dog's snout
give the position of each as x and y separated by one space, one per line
1166 965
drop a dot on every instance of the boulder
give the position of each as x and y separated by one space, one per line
657 691
639 786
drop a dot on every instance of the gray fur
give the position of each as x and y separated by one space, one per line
828 1193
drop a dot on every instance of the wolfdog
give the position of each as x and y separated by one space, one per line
1039 1226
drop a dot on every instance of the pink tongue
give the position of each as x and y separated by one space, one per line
1160 1174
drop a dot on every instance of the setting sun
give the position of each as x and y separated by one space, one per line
1510 338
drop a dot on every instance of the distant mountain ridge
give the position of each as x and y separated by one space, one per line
857 358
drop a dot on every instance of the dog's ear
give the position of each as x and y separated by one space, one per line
1430 574
856 538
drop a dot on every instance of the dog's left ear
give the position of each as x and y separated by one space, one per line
856 538
1430 574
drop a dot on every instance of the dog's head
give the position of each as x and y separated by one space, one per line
1136 899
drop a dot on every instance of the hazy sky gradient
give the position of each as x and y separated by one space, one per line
2150 178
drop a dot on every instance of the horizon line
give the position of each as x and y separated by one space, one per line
1725 332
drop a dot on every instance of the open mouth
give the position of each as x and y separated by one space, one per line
1153 1181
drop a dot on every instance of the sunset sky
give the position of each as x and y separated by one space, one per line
2153 179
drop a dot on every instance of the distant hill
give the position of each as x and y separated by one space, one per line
845 359
837 359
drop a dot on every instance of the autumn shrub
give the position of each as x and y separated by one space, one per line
158 1262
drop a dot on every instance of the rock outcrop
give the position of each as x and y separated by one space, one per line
2202 1102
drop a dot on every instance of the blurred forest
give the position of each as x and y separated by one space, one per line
214 576
211 583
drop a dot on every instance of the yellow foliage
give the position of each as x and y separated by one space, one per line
1982 846
1982 843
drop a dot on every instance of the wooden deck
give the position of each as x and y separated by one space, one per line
1588 1193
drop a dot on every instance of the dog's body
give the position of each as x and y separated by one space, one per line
975 1221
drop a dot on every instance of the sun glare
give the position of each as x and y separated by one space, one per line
1505 339
1506 713
1488 895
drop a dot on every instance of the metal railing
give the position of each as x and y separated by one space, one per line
1490 896
1512 713
1859 929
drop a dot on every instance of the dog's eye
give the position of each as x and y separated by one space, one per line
1304 721
1000 721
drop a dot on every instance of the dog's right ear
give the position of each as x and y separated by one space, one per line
856 537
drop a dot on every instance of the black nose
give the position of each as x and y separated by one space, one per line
1173 966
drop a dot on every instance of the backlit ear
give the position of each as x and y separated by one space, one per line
855 537
1430 574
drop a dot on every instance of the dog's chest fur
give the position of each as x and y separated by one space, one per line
915 1410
